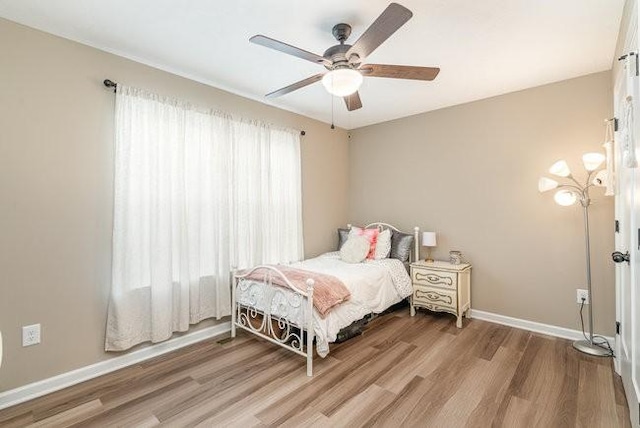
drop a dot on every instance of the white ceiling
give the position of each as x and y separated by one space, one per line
484 48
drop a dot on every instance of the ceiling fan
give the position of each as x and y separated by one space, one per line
344 61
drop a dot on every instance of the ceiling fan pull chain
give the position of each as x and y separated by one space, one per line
332 97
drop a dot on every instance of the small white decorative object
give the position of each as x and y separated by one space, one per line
455 257
600 179
609 179
628 144
628 138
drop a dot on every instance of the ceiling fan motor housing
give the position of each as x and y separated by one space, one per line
337 55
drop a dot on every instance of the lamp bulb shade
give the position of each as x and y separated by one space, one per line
545 184
428 239
342 81
592 161
600 179
565 198
560 168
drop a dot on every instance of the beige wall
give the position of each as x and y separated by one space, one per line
56 179
470 173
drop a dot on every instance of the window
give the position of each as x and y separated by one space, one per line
195 193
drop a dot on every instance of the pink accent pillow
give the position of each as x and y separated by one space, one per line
371 235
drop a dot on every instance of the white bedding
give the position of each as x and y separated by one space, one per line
374 285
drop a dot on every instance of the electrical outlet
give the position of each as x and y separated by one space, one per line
30 335
582 294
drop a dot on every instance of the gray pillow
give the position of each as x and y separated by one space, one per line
401 246
343 235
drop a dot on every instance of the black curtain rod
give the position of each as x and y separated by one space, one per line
111 84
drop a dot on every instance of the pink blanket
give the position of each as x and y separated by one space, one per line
328 291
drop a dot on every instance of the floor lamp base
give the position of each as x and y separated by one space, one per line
591 349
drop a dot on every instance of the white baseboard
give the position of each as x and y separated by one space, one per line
64 380
551 330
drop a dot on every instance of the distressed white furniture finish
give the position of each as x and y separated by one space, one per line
441 287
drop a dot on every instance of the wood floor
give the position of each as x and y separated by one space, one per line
402 371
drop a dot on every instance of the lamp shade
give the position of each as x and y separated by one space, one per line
545 184
560 168
428 239
342 82
592 161
565 198
600 179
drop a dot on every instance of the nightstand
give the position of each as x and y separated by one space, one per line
442 287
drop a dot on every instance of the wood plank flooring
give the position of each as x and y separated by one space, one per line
403 371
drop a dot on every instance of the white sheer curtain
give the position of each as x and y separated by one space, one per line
195 194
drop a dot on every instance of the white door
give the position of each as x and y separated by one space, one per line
626 109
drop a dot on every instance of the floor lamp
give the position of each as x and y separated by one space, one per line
570 192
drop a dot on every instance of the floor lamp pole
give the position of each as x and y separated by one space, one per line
588 346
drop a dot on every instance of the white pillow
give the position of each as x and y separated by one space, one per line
355 250
383 246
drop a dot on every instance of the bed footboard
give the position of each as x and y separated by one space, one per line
273 314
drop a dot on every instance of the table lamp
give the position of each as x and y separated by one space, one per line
428 240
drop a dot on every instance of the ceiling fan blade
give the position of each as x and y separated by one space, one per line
353 101
399 71
288 49
295 86
393 17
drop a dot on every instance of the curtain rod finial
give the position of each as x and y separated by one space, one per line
110 84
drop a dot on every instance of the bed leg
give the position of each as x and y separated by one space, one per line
310 283
233 303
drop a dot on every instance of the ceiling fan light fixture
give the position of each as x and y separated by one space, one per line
344 61
342 81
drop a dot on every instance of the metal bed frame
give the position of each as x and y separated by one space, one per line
291 335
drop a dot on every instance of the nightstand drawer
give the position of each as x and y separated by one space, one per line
437 297
431 277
